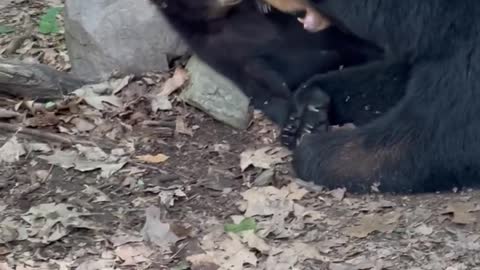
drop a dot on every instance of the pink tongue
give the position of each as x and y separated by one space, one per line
310 22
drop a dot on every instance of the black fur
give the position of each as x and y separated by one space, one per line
427 142
430 140
268 56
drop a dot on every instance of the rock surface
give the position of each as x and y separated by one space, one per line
118 35
216 95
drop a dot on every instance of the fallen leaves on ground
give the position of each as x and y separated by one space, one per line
50 222
100 94
158 232
227 252
11 151
180 76
275 226
462 213
264 158
88 161
374 223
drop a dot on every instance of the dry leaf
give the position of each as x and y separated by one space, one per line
92 153
372 223
97 264
461 213
181 127
158 158
44 120
288 257
159 102
96 95
424 229
99 195
122 238
264 158
295 192
71 159
156 231
51 222
133 254
265 201
227 252
253 241
180 76
11 151
82 125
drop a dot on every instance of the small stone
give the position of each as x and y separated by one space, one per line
216 95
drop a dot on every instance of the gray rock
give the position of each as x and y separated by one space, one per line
127 36
216 95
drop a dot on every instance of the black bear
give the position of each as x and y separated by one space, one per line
270 55
428 141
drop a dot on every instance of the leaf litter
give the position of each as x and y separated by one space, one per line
154 152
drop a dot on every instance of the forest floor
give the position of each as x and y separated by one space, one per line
175 189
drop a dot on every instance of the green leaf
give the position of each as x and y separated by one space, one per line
48 22
245 225
5 29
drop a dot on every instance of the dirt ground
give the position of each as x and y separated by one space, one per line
175 189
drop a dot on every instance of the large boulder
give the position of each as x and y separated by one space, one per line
118 35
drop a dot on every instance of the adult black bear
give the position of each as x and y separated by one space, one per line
260 52
431 139
269 55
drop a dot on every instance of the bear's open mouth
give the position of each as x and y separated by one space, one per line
312 20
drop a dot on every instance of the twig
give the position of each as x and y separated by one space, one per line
42 134
48 174
159 123
179 250
143 165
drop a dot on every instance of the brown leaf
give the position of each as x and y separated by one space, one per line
180 76
227 252
461 213
158 158
44 120
264 158
82 125
372 223
160 102
181 127
133 254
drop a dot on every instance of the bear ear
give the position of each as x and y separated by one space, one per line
263 6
